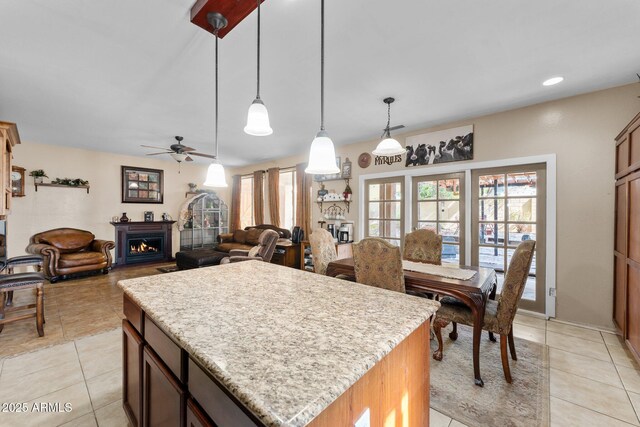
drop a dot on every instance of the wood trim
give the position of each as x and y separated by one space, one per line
395 390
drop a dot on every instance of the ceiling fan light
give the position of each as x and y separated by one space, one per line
258 119
215 176
179 157
388 147
322 156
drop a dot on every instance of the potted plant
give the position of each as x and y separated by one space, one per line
38 175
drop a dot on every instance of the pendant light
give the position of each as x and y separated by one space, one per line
322 156
258 116
388 146
215 172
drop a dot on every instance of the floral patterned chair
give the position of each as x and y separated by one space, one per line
323 250
378 263
423 245
498 317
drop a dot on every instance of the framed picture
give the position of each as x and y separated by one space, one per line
346 169
141 185
449 145
319 178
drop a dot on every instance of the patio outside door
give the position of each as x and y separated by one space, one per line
508 207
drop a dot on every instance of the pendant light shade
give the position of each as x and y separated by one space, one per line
215 172
215 175
322 156
388 146
258 117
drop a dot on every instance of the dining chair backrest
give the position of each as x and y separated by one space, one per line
514 283
323 250
378 263
423 245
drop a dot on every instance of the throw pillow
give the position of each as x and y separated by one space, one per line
253 252
253 236
240 236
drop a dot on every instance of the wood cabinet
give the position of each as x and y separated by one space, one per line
132 347
163 396
287 254
626 253
9 137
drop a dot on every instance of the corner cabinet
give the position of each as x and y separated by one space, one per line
207 217
626 251
9 137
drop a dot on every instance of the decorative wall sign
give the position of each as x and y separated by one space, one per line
141 185
364 160
388 160
450 145
346 169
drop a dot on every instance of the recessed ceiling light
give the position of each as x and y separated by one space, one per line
552 81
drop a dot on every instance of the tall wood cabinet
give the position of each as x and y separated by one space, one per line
8 139
626 253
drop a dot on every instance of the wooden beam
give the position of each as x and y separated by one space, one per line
234 10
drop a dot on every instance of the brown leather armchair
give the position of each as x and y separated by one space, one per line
69 250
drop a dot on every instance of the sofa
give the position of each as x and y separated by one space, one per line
247 238
67 251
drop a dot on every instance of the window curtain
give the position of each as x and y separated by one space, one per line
274 195
258 197
303 198
236 188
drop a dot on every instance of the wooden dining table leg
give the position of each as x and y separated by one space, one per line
478 321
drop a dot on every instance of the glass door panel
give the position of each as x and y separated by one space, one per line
508 206
385 209
438 204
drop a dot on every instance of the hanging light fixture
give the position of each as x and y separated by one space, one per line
388 146
215 172
322 156
258 116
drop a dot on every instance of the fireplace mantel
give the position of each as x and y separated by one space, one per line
139 229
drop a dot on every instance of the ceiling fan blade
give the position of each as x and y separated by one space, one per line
152 146
396 127
202 155
188 159
155 154
186 149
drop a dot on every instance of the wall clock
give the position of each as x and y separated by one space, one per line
17 181
364 160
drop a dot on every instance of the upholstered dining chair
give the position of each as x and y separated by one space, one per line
378 263
498 317
423 245
262 252
323 249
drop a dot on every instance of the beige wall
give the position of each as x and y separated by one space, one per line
580 131
51 207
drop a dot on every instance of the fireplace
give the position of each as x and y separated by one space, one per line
140 242
144 248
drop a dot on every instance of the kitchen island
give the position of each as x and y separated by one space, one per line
254 343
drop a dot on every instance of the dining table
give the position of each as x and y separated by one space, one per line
473 292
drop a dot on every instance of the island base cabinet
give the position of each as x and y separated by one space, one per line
163 398
132 346
196 417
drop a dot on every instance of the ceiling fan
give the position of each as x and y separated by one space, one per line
179 152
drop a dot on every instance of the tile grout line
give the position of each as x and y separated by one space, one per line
590 409
635 411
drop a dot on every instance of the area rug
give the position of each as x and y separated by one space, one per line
523 403
169 269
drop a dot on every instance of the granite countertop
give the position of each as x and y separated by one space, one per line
285 342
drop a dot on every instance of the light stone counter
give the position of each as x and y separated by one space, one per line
285 342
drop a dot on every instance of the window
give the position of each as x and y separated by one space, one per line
287 198
438 204
384 211
246 201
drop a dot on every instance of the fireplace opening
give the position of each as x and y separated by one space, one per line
144 248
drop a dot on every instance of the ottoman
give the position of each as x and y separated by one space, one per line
186 260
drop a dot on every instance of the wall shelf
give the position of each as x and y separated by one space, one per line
61 185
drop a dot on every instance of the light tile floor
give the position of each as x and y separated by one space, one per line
594 380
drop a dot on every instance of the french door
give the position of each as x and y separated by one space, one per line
384 209
508 207
438 204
